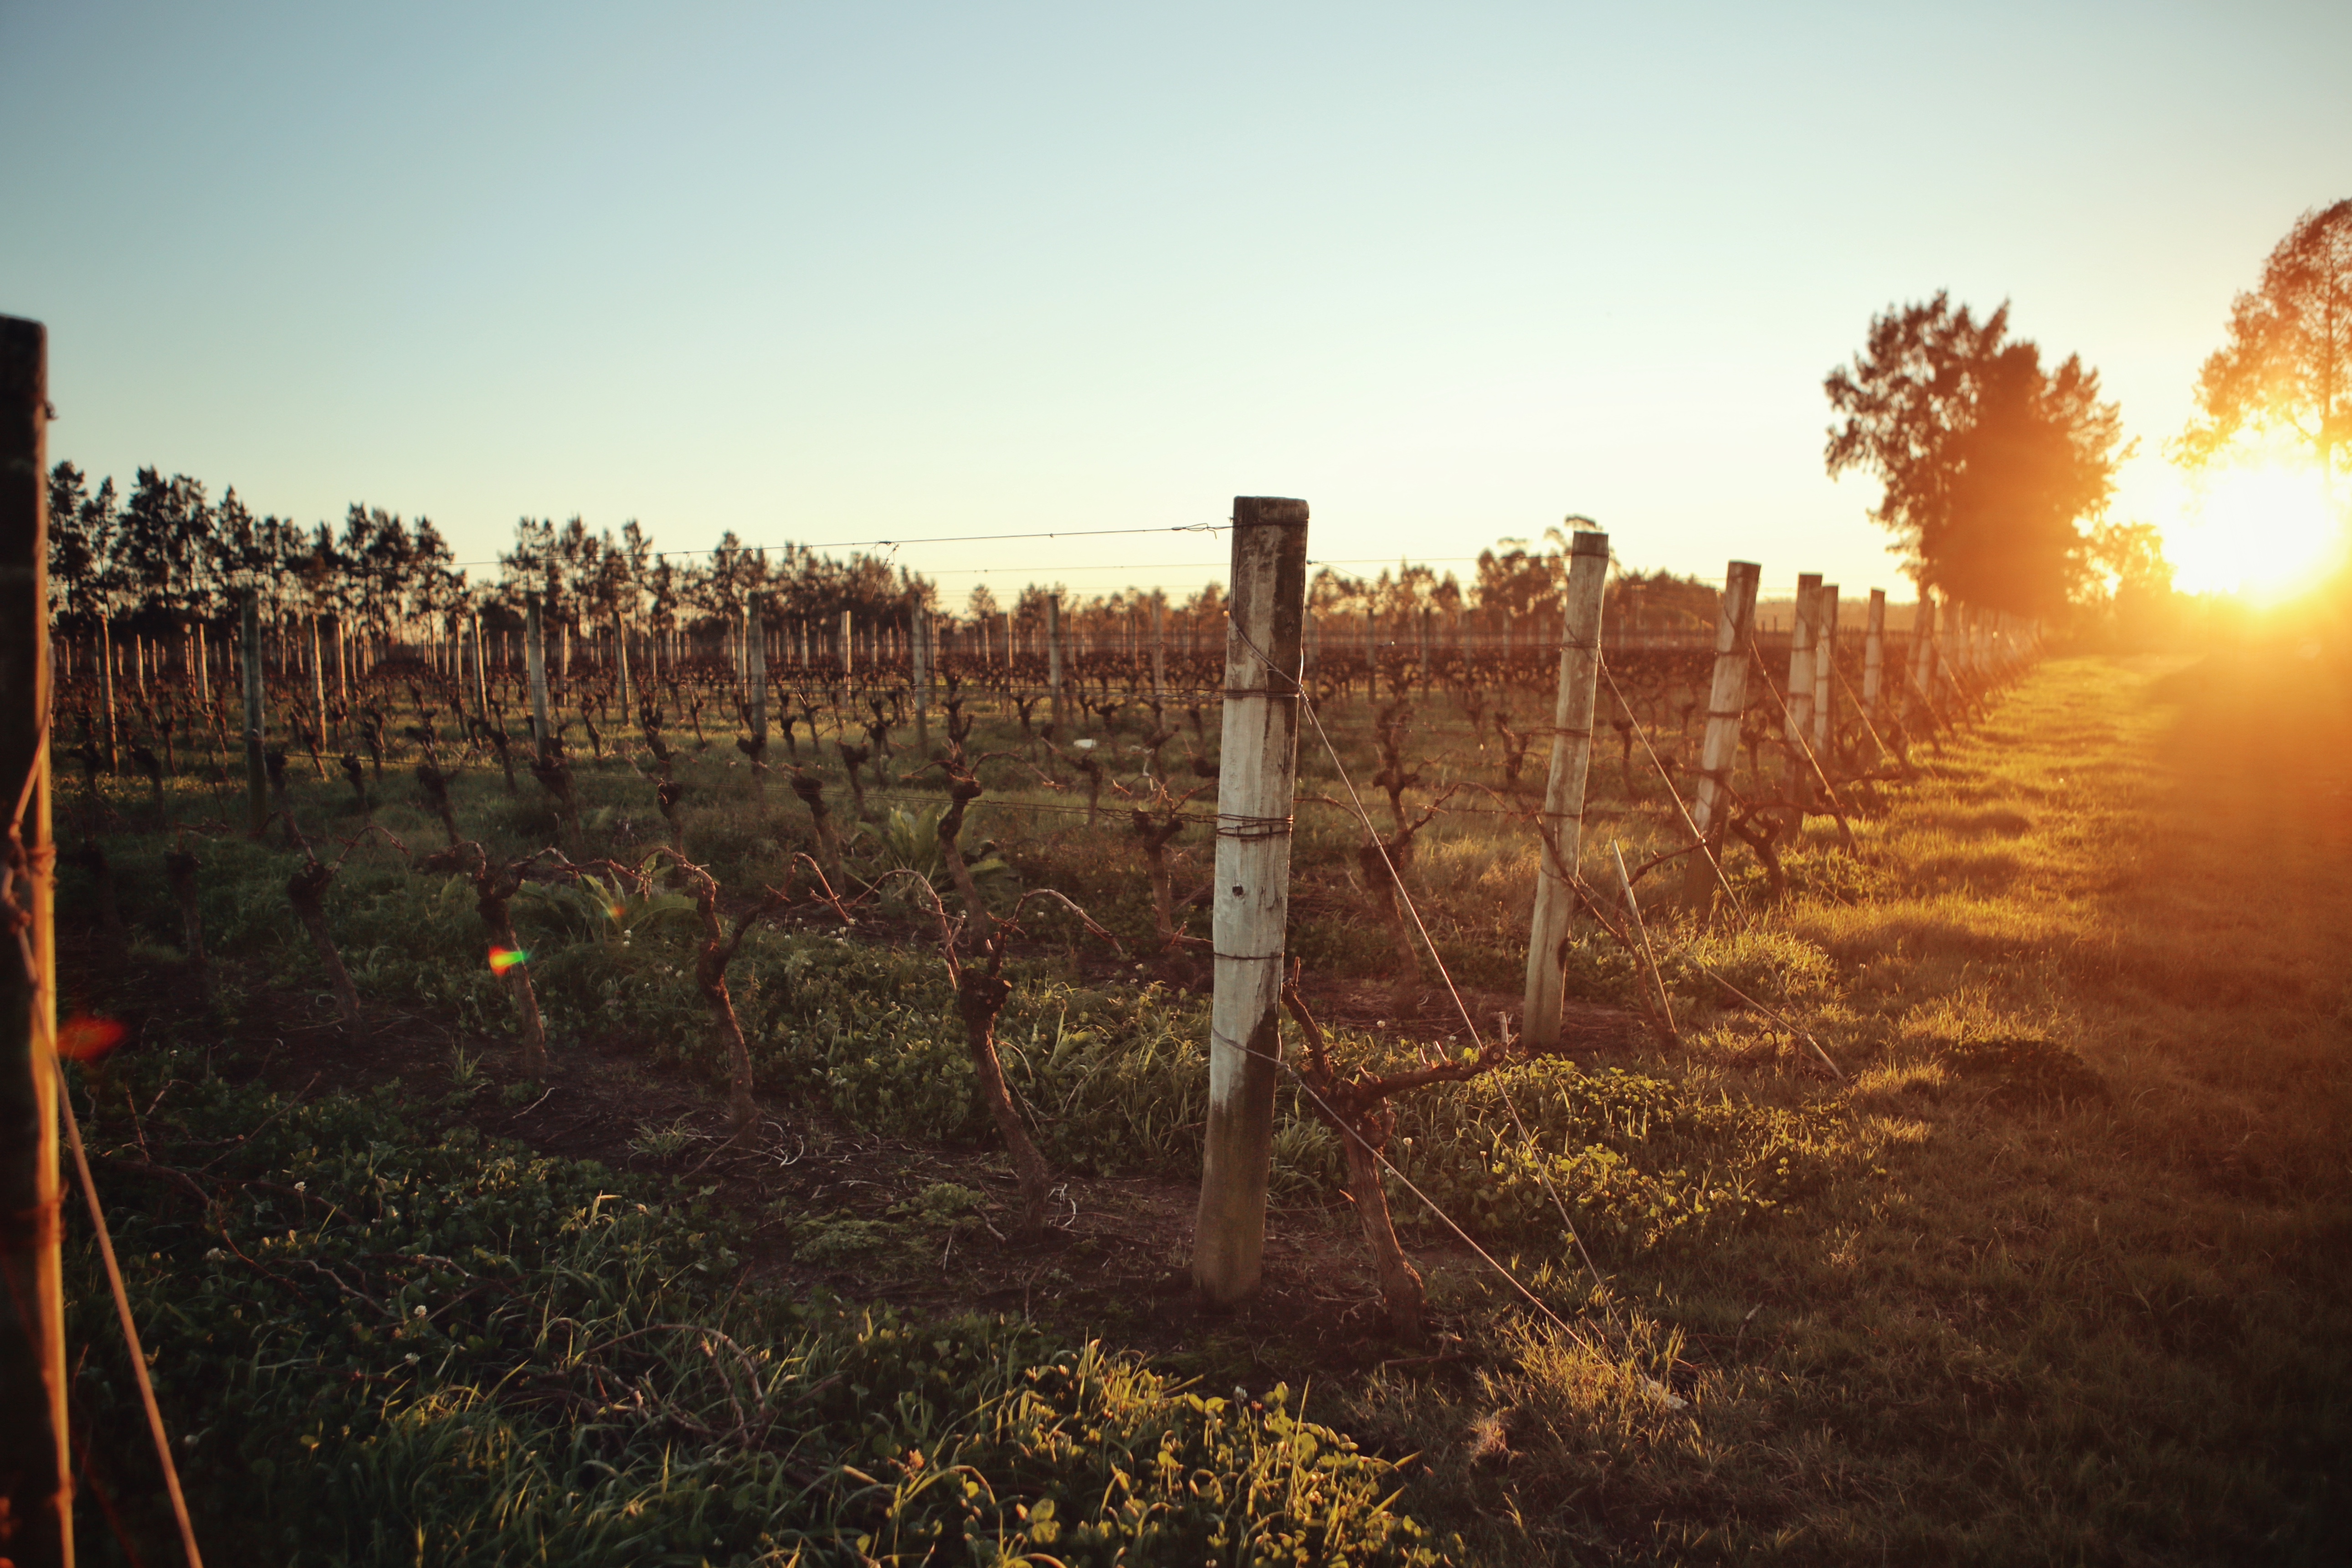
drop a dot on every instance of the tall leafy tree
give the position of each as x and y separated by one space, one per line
160 541
81 544
1992 463
2286 367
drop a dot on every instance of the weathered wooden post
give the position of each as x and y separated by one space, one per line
1726 703
1923 666
1800 685
317 686
481 670
36 1482
621 662
1053 652
257 768
1252 907
755 656
534 657
1950 639
1560 829
1874 654
1159 646
919 669
1825 620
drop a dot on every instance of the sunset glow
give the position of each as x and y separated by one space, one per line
2262 532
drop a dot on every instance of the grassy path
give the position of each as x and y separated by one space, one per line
2097 971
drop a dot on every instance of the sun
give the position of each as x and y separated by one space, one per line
2264 531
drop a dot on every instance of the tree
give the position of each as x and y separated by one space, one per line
1991 464
2286 366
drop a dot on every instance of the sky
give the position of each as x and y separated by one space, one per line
832 274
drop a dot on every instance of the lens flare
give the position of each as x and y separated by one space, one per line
505 958
83 1039
2263 531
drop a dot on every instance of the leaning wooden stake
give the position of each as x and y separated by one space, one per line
36 1489
1560 829
1726 703
1251 905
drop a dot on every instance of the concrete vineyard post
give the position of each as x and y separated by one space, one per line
1801 684
1053 652
257 770
34 1463
848 656
1727 702
1874 654
534 657
1561 827
1252 907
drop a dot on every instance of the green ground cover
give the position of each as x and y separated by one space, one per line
2057 1270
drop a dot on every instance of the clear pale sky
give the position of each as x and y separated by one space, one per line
845 272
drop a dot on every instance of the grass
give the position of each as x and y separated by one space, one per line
2092 1303
2057 1271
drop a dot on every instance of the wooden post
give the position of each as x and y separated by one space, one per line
1252 907
1560 829
755 668
1159 646
1825 619
534 657
848 653
1800 685
1948 640
1874 654
621 661
317 685
1923 669
36 1479
1053 651
481 671
1727 702
1371 659
106 682
919 669
256 730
